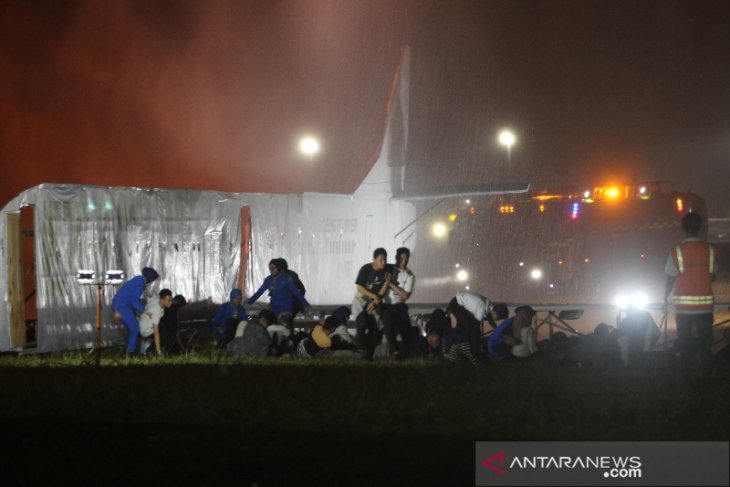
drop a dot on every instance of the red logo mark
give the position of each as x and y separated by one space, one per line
488 463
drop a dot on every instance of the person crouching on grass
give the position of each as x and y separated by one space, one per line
514 336
149 322
456 343
227 318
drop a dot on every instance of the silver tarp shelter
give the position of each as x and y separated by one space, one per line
203 244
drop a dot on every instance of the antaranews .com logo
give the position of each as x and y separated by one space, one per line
610 466
589 463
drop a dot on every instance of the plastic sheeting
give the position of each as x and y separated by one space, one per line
193 239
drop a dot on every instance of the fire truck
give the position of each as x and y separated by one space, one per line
588 246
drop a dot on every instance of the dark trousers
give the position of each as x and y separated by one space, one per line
230 332
169 341
397 322
688 346
367 334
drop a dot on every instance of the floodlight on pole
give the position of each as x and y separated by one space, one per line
439 230
507 139
86 277
309 146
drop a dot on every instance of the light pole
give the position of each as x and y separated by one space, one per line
507 138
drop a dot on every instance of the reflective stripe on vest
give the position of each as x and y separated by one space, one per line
680 259
693 300
693 283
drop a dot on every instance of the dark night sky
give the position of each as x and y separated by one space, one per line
215 94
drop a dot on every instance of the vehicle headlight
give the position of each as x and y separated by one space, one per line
636 299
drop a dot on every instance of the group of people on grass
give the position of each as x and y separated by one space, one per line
471 329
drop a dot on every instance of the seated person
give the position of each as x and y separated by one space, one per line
149 321
457 347
636 333
252 339
227 318
525 338
513 336
279 333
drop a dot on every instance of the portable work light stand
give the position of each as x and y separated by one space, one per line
87 278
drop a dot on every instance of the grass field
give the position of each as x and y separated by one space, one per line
209 420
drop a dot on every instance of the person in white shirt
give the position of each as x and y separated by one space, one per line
396 321
478 306
401 287
479 309
149 322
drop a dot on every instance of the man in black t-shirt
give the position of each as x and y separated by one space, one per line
372 283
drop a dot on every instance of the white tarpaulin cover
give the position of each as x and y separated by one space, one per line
193 239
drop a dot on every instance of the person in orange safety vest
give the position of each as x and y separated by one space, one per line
691 269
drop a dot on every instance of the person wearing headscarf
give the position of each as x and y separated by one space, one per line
127 305
282 291
228 317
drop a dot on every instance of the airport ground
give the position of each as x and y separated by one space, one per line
213 420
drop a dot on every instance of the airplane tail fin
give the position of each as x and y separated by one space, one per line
386 176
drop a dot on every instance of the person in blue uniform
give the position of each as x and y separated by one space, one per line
228 317
282 291
127 305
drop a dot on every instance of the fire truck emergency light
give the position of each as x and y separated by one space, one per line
575 211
